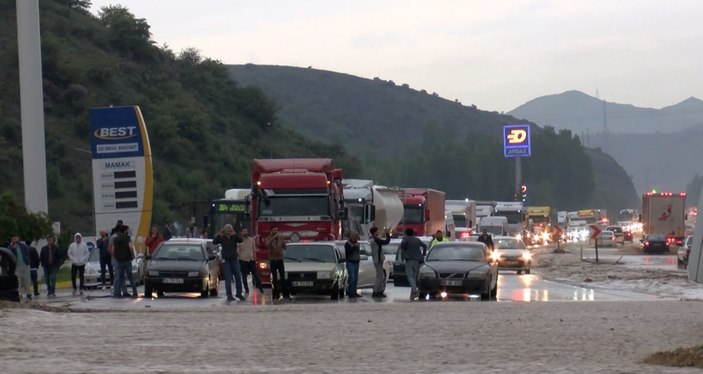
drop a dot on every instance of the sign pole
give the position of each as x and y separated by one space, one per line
518 178
596 250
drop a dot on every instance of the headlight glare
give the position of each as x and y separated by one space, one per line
526 255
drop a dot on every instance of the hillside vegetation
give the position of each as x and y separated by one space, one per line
409 137
204 128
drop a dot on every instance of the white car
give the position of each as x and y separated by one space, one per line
607 238
683 252
92 270
367 271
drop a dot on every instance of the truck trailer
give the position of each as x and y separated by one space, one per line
423 211
664 213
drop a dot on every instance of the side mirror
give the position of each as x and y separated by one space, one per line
211 258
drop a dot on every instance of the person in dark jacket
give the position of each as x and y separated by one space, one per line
33 266
50 261
352 249
229 239
378 259
123 252
486 239
276 246
413 255
105 258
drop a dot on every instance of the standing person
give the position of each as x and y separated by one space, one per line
105 258
124 254
22 255
228 239
352 250
153 240
276 246
33 266
169 230
379 258
246 250
411 253
50 262
78 253
438 238
486 239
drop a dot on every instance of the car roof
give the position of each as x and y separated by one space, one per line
459 244
605 232
324 243
504 237
187 240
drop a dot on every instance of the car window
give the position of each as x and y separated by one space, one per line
94 255
180 252
310 252
456 253
508 243
655 237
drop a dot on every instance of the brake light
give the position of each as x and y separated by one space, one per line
612 238
646 243
465 235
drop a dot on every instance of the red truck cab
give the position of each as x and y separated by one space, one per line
303 198
423 211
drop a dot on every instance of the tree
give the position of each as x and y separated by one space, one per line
127 33
15 219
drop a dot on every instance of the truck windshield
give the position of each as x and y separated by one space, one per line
513 217
413 214
277 206
539 219
459 220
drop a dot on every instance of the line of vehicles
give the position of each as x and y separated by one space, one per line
310 203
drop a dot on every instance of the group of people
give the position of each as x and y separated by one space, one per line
28 261
237 253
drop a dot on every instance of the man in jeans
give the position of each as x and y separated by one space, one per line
352 250
105 258
413 256
276 246
78 253
228 239
22 255
378 259
122 251
50 260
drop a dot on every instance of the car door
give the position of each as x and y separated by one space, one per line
367 272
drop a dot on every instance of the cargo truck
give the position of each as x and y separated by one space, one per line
303 198
664 213
423 211
464 214
370 205
515 213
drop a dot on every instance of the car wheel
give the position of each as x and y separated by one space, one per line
334 293
486 295
148 292
494 292
341 293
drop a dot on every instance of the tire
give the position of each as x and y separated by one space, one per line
494 292
341 293
334 293
487 294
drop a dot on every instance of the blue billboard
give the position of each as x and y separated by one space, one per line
516 141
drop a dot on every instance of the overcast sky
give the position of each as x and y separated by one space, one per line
494 54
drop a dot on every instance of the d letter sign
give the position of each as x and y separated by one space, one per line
516 141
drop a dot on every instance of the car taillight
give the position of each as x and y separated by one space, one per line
613 238
646 243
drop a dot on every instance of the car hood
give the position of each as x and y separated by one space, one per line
292 266
176 265
454 266
510 252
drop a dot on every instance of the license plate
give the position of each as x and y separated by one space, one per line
451 283
303 284
173 280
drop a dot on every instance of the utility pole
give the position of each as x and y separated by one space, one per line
32 106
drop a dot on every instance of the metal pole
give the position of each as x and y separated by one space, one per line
518 178
32 106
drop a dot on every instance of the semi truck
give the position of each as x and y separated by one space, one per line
464 214
515 213
664 213
423 211
303 198
484 208
370 205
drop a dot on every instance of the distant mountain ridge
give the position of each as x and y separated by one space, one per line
582 113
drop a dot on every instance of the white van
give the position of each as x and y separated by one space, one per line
496 225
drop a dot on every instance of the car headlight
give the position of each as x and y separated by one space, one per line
527 256
153 273
477 274
193 273
495 255
324 275
427 273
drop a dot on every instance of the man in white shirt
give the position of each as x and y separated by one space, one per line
78 253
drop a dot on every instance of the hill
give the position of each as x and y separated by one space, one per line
581 113
409 137
204 128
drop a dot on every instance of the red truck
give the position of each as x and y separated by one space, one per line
664 213
304 198
423 211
